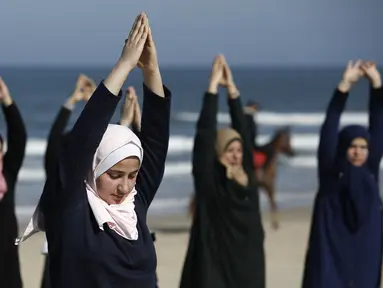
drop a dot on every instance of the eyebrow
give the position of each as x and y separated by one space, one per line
120 171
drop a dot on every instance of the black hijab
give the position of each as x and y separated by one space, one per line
357 185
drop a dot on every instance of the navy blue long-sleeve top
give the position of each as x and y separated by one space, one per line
82 255
337 255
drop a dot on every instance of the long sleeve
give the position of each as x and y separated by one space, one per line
252 128
154 138
204 153
376 130
238 122
76 157
55 139
328 141
17 141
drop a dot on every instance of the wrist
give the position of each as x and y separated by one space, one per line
376 84
7 101
70 103
344 86
232 91
125 122
213 87
151 70
124 66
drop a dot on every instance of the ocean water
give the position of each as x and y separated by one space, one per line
296 97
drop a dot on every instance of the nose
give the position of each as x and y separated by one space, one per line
123 187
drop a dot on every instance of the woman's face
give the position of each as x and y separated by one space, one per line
233 154
115 184
357 153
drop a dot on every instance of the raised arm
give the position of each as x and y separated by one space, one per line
328 140
16 134
77 157
238 119
239 124
375 118
55 136
204 152
82 92
131 111
154 137
251 127
154 134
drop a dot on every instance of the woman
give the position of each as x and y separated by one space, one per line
84 89
345 245
226 238
10 164
95 204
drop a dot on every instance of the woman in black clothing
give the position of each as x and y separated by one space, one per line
226 238
95 223
84 89
10 164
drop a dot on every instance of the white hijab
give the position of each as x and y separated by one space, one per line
118 143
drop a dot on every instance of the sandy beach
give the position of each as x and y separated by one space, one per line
285 250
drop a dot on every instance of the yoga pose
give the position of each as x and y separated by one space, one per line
95 203
345 245
10 164
226 238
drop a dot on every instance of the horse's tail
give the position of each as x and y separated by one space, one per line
192 205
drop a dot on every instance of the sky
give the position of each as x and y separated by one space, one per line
248 32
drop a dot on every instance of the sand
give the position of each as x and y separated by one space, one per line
285 250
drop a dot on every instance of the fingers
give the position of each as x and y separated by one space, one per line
134 27
150 38
217 64
358 64
137 26
349 64
141 31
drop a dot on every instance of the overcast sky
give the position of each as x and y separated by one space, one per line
261 32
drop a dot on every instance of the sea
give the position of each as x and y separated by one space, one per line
289 96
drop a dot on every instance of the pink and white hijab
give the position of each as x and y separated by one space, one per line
118 143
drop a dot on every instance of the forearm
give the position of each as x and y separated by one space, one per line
117 78
153 80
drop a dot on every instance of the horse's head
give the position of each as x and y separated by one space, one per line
283 142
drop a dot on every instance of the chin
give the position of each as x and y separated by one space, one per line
358 163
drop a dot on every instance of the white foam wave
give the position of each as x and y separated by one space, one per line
279 119
176 169
180 144
305 141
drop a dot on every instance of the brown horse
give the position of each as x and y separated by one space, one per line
266 173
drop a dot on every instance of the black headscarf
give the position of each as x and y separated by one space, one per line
357 185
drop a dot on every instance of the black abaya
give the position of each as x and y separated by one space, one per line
226 239
10 276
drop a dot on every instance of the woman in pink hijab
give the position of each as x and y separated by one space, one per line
96 200
10 164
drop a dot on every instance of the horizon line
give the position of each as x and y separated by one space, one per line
172 66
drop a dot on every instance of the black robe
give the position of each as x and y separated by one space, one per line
226 238
9 257
81 255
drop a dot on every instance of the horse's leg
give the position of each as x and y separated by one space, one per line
269 181
274 207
